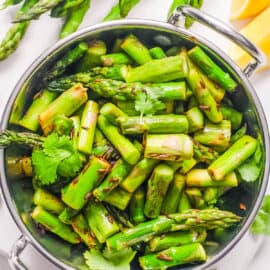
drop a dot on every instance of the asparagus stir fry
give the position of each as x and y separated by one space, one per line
131 151
72 12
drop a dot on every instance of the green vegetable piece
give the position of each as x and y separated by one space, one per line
62 125
195 119
136 206
184 203
157 53
67 215
114 14
126 6
111 112
115 59
233 116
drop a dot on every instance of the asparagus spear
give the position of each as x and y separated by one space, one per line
158 185
136 206
138 174
136 50
187 165
202 178
195 119
126 6
119 58
64 7
157 53
211 194
19 166
8 3
127 150
116 48
67 215
62 125
77 193
168 147
169 123
54 225
118 172
88 127
48 201
111 112
233 116
74 18
207 219
211 69
66 104
175 239
204 153
233 157
127 106
100 221
174 256
171 200
159 70
184 203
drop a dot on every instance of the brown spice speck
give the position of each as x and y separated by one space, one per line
164 257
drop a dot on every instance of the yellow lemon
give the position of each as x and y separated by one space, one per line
257 31
242 9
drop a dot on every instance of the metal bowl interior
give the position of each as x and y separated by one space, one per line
18 192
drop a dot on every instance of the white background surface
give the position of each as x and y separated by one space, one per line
43 33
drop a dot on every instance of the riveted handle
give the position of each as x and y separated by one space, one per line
229 32
14 259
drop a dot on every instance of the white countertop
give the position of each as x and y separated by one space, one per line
42 34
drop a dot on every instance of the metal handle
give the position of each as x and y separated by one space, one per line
13 258
224 29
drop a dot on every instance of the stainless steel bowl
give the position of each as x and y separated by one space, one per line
17 193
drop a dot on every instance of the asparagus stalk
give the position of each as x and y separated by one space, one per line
159 70
211 194
184 203
195 119
119 58
111 112
158 185
233 157
202 178
19 167
48 201
136 50
136 206
40 102
211 69
171 200
63 8
207 219
187 165
168 147
67 215
54 225
127 150
81 227
66 104
74 18
127 106
118 172
78 192
157 53
233 116
192 253
169 123
116 48
204 153
88 127
140 172
175 239
8 3
100 221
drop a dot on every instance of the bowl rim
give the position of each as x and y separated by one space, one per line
40 60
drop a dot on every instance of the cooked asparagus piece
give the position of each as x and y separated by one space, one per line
88 127
173 195
158 185
62 125
136 50
184 203
54 225
48 201
127 106
118 172
81 227
160 70
119 58
233 116
91 58
19 167
111 112
204 153
100 221
168 147
78 192
127 150
209 219
202 178
136 206
157 53
193 253
66 104
175 239
195 119
233 157
67 215
187 165
40 102
74 18
140 172
119 198
169 123
211 69
216 135
212 194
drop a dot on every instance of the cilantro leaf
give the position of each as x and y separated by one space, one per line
261 225
70 166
